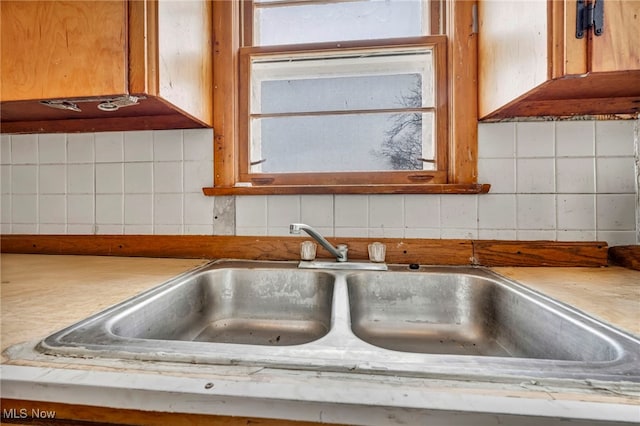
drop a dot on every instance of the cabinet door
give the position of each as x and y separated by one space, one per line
618 48
63 49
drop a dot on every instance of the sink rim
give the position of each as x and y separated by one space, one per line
326 354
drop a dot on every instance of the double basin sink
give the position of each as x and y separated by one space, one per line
428 322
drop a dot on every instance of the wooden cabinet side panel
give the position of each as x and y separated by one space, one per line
62 49
185 57
618 48
513 55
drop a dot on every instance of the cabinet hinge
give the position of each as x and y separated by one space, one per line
589 14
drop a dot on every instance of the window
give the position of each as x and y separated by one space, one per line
337 96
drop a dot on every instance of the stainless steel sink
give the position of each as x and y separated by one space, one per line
463 314
431 322
256 307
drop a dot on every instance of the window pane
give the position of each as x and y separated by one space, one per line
349 142
381 81
349 20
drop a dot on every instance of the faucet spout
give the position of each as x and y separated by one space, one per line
340 252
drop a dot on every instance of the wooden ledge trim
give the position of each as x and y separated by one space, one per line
627 256
471 188
399 250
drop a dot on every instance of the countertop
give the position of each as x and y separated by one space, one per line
42 294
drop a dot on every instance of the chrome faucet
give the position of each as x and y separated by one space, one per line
340 252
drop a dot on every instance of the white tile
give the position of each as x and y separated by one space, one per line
197 175
138 209
167 177
615 212
385 232
351 211
167 145
5 179
24 209
613 238
24 228
575 138
278 231
167 209
575 175
80 179
198 210
532 235
422 233
138 229
167 229
317 210
457 233
138 178
459 211
52 229
73 229
24 179
535 175
500 173
577 211
138 146
109 147
198 144
5 229
5 149
421 211
109 229
354 232
52 179
535 139
615 175
251 212
24 149
614 137
536 211
497 211
496 140
580 235
251 231
497 234
52 148
386 211
80 147
109 178
282 210
5 208
198 229
109 209
80 209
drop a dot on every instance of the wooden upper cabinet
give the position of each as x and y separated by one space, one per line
532 64
85 53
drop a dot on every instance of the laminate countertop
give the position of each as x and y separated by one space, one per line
41 294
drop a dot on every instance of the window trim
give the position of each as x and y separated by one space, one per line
461 92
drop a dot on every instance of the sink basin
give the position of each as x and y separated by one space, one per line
432 322
257 307
464 314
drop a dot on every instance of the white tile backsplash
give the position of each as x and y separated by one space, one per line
52 148
52 179
109 147
575 139
24 149
565 180
535 139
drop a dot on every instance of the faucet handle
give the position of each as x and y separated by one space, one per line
342 249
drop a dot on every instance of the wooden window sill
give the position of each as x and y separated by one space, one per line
350 189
